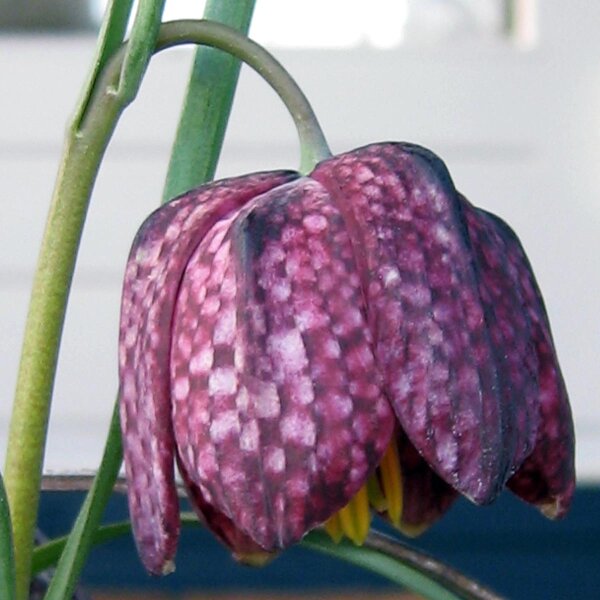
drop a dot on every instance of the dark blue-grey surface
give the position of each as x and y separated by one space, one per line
507 546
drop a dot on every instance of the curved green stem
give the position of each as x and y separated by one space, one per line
403 565
207 104
313 145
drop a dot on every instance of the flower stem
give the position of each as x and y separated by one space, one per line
43 330
403 565
313 146
207 104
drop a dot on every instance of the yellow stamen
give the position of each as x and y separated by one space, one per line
391 480
355 517
412 530
377 498
382 491
254 559
334 528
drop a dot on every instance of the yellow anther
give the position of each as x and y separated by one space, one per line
334 528
377 498
391 481
412 530
355 517
254 559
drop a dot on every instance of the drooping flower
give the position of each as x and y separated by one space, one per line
310 347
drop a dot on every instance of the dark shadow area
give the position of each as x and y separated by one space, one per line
507 546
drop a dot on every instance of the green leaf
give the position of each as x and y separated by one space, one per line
111 36
207 104
7 556
46 555
82 536
403 565
385 556
140 47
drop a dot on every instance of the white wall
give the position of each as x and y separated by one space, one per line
519 131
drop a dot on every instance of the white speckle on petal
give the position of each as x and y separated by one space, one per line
241 400
225 327
210 306
389 276
224 424
281 290
181 388
202 361
287 350
128 387
130 337
314 223
266 401
249 437
331 348
298 429
301 390
275 460
222 381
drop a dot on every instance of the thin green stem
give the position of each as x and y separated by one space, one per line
313 145
207 104
403 565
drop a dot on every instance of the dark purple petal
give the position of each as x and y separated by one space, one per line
511 332
158 257
277 408
440 338
547 477
425 495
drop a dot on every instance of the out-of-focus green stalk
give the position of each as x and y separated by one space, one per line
7 555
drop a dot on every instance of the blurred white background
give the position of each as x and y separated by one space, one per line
517 121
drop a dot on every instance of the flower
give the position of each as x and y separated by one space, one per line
307 347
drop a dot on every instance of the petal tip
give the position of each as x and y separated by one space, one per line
254 559
168 567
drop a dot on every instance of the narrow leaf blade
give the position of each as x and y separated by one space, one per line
81 538
7 557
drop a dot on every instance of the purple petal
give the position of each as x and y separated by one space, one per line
225 530
426 497
277 408
441 340
156 262
547 477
